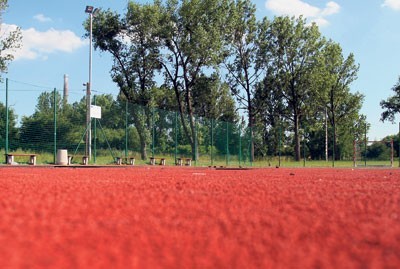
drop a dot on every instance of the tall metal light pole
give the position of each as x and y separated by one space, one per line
91 11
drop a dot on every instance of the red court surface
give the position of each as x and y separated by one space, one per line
160 217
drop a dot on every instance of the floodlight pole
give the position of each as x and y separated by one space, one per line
7 119
90 11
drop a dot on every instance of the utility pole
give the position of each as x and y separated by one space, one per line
92 12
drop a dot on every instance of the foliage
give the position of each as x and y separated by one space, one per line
290 85
193 37
378 151
241 64
9 42
391 105
12 128
289 51
133 43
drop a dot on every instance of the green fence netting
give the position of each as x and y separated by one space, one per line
130 130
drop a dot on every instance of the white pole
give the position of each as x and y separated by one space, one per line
326 134
88 92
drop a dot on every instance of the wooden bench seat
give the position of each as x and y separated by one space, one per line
153 161
125 160
188 161
32 157
85 159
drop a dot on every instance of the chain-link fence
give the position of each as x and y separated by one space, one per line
127 130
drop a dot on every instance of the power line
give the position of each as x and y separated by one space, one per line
30 84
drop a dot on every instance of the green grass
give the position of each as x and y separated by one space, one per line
105 158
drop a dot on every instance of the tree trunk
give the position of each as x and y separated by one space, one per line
142 135
194 147
332 100
143 148
297 137
251 125
192 124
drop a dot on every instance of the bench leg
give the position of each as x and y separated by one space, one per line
32 160
132 161
118 161
162 162
10 159
85 160
152 161
70 160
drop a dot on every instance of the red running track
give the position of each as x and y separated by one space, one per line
199 218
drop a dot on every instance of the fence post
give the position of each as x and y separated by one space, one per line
326 135
7 123
94 134
251 146
227 144
391 152
280 143
153 132
212 142
333 147
196 149
55 125
126 128
240 143
176 136
355 153
365 145
304 147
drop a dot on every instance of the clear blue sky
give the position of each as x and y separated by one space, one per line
54 46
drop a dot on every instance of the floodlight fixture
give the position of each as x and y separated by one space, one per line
89 9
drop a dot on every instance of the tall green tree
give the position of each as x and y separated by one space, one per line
37 130
270 124
9 42
333 96
289 51
134 44
243 72
212 99
193 41
391 105
12 127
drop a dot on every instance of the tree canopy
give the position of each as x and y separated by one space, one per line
391 105
9 42
277 70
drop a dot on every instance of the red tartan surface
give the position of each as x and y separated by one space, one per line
145 217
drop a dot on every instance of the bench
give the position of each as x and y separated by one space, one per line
85 159
188 161
32 157
153 161
125 160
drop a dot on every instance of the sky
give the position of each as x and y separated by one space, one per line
54 45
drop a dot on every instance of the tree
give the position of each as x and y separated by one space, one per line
270 125
391 105
212 99
9 42
333 96
289 52
134 44
243 72
193 38
12 129
37 130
